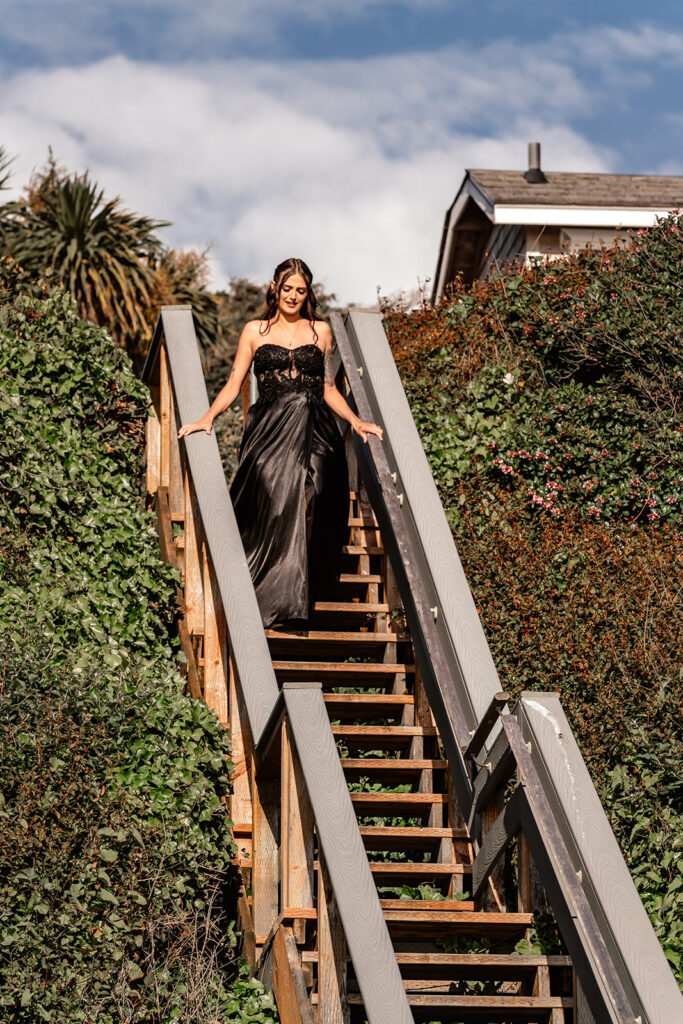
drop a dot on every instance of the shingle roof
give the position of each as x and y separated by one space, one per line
569 189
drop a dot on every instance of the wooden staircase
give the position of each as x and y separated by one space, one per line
419 849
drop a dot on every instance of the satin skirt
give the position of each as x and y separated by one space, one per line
291 501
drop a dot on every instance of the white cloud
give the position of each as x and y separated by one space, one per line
349 164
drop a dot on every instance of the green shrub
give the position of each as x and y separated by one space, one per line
549 404
115 889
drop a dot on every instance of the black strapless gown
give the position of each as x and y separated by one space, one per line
291 489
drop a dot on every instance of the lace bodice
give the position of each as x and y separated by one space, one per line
281 369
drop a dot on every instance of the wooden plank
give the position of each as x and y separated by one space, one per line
438 906
356 577
296 833
192 566
166 399
215 643
366 932
514 1006
242 754
246 922
193 683
265 852
168 552
361 549
384 837
175 469
361 607
330 670
505 827
288 981
392 764
332 954
326 635
152 452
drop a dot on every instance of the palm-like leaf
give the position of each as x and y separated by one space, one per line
5 164
100 252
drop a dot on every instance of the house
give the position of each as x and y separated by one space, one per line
499 218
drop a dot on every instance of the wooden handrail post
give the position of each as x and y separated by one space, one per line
215 643
153 452
265 856
165 401
332 954
192 566
175 481
296 835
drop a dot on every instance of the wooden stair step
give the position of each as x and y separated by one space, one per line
389 771
505 1007
450 906
384 837
381 737
361 549
503 966
418 925
331 636
395 766
359 577
395 805
392 872
350 606
369 524
368 673
360 705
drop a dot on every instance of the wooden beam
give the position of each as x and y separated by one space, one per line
505 828
242 753
296 834
193 683
215 643
175 478
332 955
192 566
288 981
265 851
152 452
166 399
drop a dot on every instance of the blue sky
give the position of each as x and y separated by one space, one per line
334 130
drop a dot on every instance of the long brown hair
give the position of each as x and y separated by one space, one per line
282 271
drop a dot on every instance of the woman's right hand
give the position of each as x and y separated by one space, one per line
205 424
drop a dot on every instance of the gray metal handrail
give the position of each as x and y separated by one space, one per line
619 960
366 932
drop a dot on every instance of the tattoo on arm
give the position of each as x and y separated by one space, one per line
329 369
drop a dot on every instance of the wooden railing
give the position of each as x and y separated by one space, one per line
554 813
289 794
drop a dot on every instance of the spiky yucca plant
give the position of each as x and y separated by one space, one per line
65 230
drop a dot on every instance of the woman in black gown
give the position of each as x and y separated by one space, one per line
291 490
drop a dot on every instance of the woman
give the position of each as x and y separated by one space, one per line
291 490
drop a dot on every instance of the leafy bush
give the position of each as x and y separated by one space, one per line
115 841
549 405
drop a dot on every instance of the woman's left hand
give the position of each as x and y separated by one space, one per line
363 429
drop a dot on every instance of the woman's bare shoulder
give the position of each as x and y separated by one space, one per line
324 332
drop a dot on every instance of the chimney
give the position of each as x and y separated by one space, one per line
535 175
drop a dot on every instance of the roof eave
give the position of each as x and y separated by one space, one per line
578 216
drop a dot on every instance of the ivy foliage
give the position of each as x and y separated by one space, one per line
115 842
549 404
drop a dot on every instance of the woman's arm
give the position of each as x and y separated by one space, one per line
334 399
228 394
